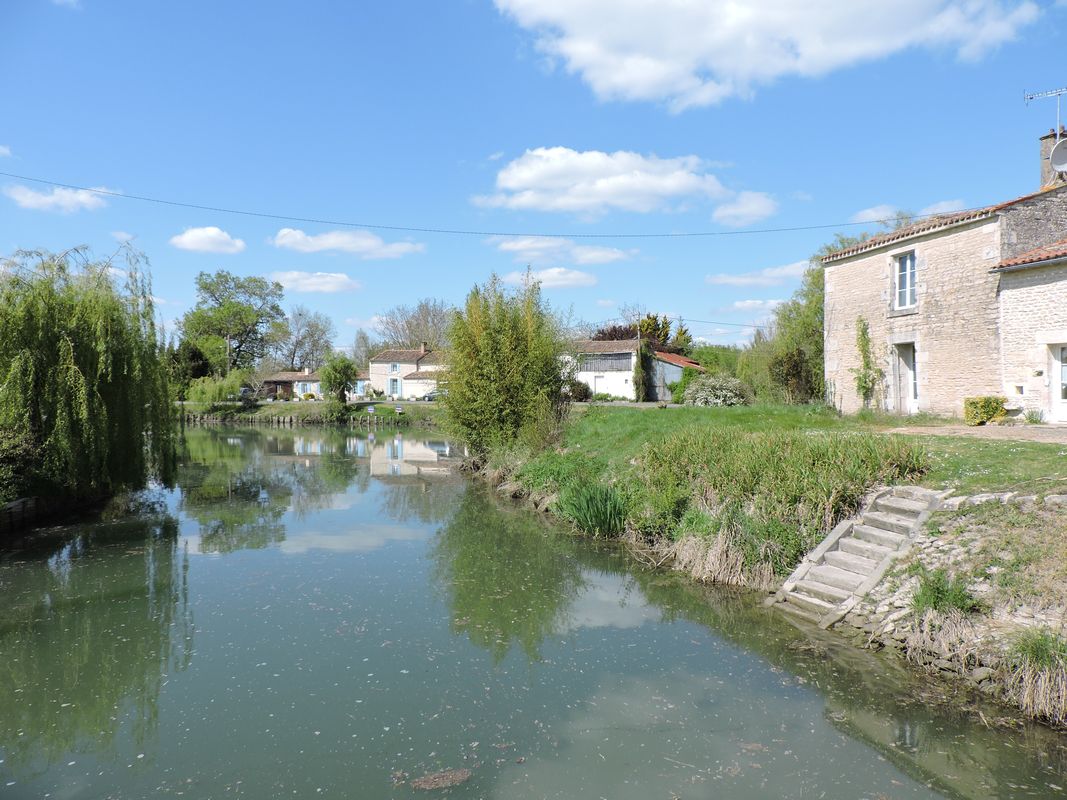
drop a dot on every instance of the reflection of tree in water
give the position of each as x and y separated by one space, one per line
510 580
426 498
89 630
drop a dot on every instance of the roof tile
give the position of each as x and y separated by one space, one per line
1050 252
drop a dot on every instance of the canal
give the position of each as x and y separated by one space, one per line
313 613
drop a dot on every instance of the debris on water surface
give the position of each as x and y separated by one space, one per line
442 780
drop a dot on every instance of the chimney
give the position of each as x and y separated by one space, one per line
1049 176
424 348
307 370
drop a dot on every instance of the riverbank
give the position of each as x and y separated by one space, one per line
365 414
738 496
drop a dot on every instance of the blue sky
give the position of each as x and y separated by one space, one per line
572 117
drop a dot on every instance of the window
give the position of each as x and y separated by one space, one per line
394 368
605 362
905 281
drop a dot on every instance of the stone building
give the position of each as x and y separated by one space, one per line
957 305
406 374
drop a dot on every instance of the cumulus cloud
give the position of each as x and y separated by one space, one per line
541 249
592 182
553 278
690 54
66 201
324 282
943 207
209 239
368 323
755 305
364 244
771 276
5 151
122 236
875 213
745 209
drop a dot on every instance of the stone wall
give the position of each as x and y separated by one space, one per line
1036 222
1033 318
953 327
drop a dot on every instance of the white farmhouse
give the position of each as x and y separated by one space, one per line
406 374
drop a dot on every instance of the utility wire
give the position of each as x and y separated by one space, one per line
448 231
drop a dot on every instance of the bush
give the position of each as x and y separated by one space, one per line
980 410
18 462
213 389
1034 416
717 390
307 396
938 592
594 508
678 389
579 391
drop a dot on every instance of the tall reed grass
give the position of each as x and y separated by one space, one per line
594 508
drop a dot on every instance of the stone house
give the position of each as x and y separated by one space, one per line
957 305
607 367
406 374
287 385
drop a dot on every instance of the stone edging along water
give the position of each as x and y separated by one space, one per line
883 619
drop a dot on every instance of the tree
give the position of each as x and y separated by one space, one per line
614 333
655 330
304 339
407 328
235 319
187 363
682 341
83 378
506 378
337 376
363 349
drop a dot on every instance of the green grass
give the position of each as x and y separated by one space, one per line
938 592
1040 648
970 466
594 508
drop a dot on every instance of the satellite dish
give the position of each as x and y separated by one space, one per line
1058 157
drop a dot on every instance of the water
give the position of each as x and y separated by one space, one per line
311 614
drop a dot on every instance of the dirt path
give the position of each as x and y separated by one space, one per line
1048 434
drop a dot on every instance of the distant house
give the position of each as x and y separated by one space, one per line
407 374
608 368
957 305
286 385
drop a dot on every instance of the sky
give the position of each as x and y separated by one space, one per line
605 123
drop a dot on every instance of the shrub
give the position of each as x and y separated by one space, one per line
602 397
717 390
213 389
307 396
593 508
1034 416
579 391
980 410
678 389
337 376
1041 648
336 412
938 592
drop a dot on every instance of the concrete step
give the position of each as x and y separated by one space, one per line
916 493
887 522
813 605
822 591
878 536
901 506
850 563
859 547
797 611
835 576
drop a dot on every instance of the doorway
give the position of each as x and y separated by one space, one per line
1058 387
907 379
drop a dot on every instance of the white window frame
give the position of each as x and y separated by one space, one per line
904 266
394 368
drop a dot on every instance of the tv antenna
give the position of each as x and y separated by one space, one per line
1057 93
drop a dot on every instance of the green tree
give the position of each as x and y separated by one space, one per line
187 363
506 376
303 339
337 376
236 320
682 341
82 375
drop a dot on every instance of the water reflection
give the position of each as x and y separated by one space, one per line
92 623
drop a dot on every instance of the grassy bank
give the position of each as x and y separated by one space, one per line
310 413
752 487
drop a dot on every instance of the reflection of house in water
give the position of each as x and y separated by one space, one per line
397 456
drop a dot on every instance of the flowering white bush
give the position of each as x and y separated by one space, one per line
717 390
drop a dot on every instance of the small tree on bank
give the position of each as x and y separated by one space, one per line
506 368
337 376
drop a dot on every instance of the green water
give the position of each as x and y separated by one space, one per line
310 614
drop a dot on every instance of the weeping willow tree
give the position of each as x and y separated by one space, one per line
84 400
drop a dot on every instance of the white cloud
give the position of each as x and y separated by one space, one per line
5 151
367 323
361 243
771 276
207 240
122 236
554 278
755 305
606 303
499 154
541 249
875 213
326 282
58 199
592 182
943 207
67 3
746 208
698 53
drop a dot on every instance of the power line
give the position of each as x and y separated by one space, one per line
447 231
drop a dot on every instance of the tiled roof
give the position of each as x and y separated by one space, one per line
290 377
425 375
1050 252
432 357
931 225
679 360
611 346
409 357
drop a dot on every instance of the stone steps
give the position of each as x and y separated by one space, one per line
854 556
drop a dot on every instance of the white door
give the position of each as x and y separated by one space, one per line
1058 389
599 385
907 380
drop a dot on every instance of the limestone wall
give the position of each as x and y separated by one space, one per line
953 326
